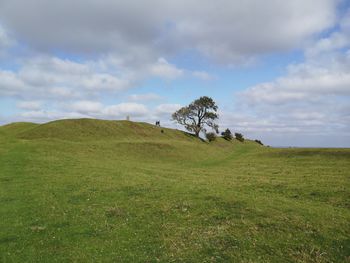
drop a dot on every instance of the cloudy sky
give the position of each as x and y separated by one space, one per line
279 70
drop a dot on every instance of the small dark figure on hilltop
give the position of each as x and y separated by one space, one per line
227 135
158 123
239 137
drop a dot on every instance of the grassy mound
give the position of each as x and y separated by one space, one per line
16 128
93 129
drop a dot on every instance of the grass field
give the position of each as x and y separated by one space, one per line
105 191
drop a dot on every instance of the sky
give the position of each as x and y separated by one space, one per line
278 70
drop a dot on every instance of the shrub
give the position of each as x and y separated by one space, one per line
258 141
239 137
211 136
227 135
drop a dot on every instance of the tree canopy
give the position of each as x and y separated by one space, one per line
198 115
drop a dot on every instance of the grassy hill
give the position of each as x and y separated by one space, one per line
15 128
92 129
116 191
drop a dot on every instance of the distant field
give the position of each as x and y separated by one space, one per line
105 191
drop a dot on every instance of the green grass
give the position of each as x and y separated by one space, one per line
106 191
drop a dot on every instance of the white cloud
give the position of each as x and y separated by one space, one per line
305 82
145 97
336 40
292 125
227 31
167 109
52 71
54 78
10 84
126 109
29 105
203 75
86 106
58 93
165 70
5 40
309 103
49 77
99 110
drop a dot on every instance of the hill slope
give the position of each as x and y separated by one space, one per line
16 128
93 129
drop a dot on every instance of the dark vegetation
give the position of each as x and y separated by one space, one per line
227 135
259 142
239 137
211 136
